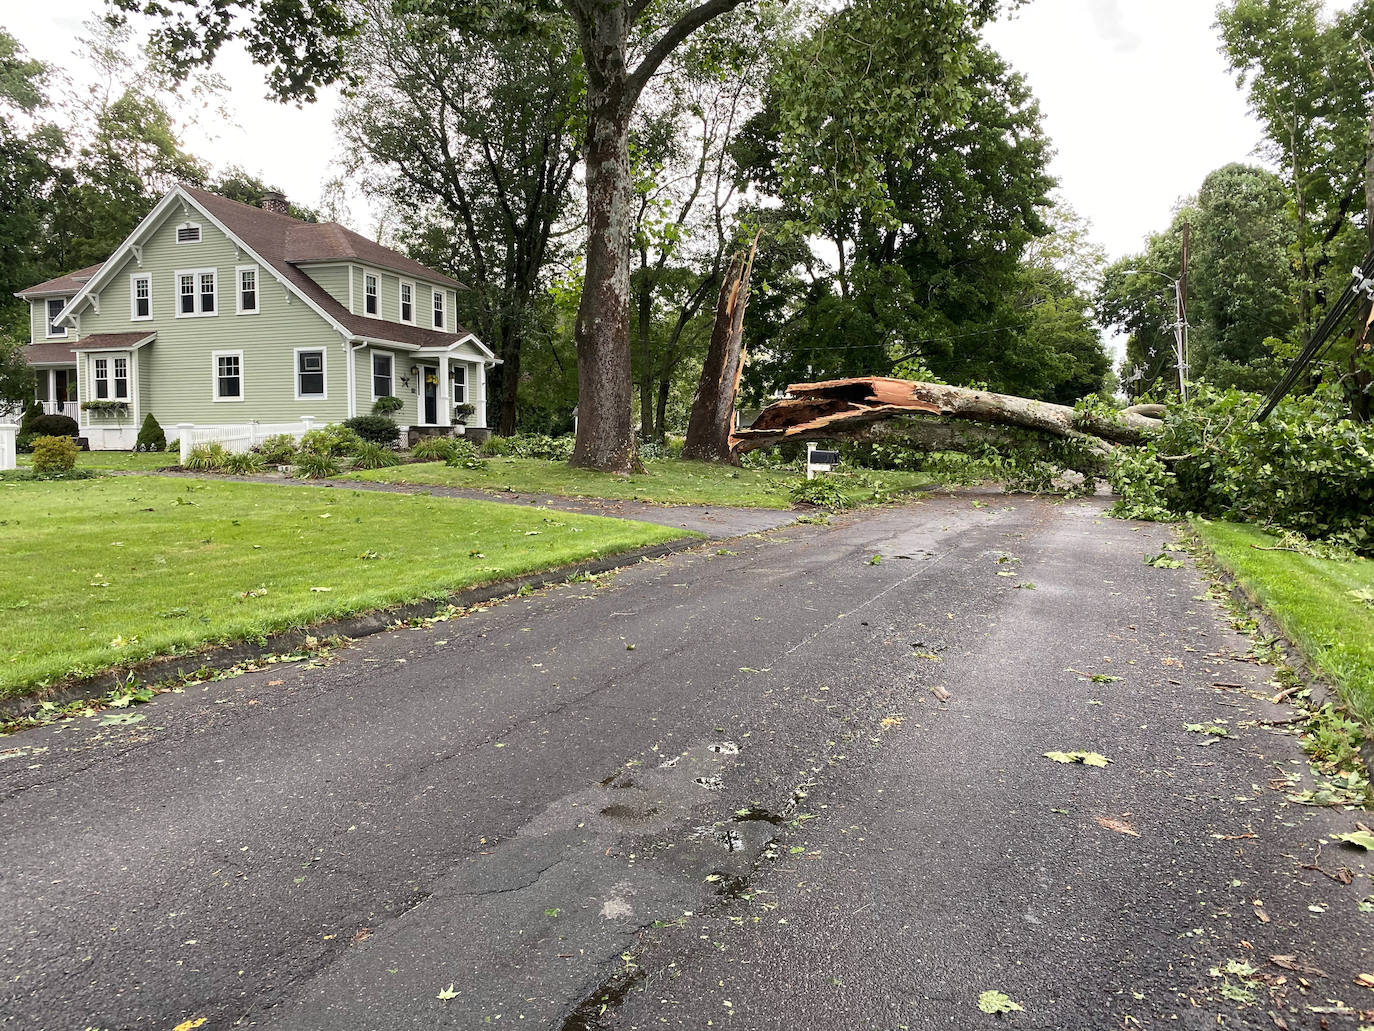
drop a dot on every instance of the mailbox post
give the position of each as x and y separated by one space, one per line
818 461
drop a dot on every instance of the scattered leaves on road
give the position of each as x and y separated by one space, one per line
940 693
998 1002
121 719
1291 963
447 993
1120 826
1096 678
190 1025
1362 838
1086 758
876 560
1163 561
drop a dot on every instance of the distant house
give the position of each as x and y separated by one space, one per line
221 315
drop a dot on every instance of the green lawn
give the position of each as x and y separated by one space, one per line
1310 598
118 459
106 571
666 482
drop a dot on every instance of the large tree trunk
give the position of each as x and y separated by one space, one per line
510 374
713 408
605 436
941 417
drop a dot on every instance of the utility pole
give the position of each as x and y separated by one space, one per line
1181 325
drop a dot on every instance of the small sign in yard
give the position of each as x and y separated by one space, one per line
818 461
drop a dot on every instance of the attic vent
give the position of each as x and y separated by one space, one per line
188 233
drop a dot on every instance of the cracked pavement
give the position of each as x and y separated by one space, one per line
719 789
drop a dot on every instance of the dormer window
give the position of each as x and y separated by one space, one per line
370 294
55 306
438 309
188 232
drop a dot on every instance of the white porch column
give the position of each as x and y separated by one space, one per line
184 441
445 412
309 423
9 450
479 417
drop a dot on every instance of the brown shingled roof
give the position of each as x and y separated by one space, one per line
282 241
63 285
50 354
104 341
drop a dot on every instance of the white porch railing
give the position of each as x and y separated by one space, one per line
238 436
71 409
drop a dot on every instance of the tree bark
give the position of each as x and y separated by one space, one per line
713 407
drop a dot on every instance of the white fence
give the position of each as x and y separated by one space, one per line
238 437
71 409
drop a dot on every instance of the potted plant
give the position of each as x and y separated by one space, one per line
462 411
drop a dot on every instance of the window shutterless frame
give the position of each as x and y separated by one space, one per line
197 292
52 307
310 374
460 382
246 289
383 374
121 379
226 375
439 309
140 297
407 299
370 299
101 374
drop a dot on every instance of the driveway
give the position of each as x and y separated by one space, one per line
793 780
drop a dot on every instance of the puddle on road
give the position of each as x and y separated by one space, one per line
629 813
595 1011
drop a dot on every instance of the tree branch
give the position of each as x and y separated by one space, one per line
672 37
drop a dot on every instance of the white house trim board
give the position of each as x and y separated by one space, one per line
197 293
215 356
239 270
134 279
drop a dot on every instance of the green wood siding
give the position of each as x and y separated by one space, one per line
177 370
38 325
334 279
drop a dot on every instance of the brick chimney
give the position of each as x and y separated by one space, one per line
275 202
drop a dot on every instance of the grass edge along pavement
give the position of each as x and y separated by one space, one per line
665 481
1310 599
135 568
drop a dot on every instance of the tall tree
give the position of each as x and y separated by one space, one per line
624 43
472 131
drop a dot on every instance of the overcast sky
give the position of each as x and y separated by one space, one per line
1135 94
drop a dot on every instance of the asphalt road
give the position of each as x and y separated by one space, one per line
716 790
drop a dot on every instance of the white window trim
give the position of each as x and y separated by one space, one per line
97 379
400 301
215 356
440 308
459 366
48 334
134 280
200 232
372 377
115 359
176 292
376 293
324 373
239 270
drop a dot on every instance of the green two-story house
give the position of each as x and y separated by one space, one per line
240 321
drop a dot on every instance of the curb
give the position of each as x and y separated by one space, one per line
363 624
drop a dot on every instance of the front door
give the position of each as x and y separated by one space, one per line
430 381
65 385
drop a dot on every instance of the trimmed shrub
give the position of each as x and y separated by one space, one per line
54 454
150 436
432 449
311 465
242 463
278 449
531 445
330 441
375 429
387 405
374 456
32 412
53 426
23 443
822 492
207 458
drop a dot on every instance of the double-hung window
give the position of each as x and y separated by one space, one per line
309 374
370 294
460 383
54 309
248 290
438 309
228 375
382 368
121 379
102 378
197 290
408 302
140 297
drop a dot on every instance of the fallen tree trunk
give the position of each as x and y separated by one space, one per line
939 417
713 408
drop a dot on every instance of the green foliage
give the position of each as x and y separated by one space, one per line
464 454
823 492
54 454
376 429
388 405
1306 468
374 456
242 463
1332 740
1141 482
278 449
330 441
54 426
530 445
433 449
209 457
150 435
314 465
32 411
23 443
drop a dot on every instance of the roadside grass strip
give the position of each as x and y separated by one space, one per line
664 482
107 572
1325 606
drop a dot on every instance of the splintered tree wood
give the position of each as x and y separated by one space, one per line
938 417
713 408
